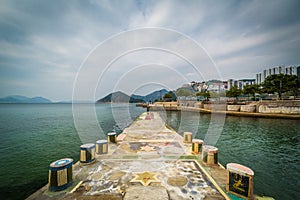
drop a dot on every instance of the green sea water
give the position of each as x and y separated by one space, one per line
34 135
270 147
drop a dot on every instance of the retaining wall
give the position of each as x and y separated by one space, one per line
233 108
217 107
248 108
278 109
272 107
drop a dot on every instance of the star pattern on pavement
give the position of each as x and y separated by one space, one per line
147 148
145 178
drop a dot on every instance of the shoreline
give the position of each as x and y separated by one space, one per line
229 113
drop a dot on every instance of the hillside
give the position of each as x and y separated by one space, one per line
156 95
122 97
23 99
119 97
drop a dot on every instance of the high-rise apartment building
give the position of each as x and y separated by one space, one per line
289 70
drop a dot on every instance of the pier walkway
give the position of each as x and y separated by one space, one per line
150 162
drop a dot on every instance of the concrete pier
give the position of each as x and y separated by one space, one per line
150 162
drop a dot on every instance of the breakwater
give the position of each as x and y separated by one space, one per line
148 161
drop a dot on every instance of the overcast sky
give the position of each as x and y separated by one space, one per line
45 46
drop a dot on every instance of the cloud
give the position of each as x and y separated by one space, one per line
44 43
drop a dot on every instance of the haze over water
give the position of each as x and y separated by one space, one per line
32 136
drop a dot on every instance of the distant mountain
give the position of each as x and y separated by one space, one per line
75 102
138 97
119 97
122 97
156 95
23 99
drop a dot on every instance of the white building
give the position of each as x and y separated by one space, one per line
216 86
239 83
289 70
244 82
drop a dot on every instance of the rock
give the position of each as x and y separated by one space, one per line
177 181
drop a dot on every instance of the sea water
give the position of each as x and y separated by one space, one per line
270 147
34 135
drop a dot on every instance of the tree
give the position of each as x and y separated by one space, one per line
251 89
170 96
205 94
174 97
167 97
273 84
234 92
293 84
281 83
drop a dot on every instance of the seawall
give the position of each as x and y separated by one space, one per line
268 109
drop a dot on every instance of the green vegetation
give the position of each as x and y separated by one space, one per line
234 92
251 90
217 95
170 96
184 92
167 96
205 94
281 83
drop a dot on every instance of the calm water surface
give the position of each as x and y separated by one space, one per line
32 136
270 147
